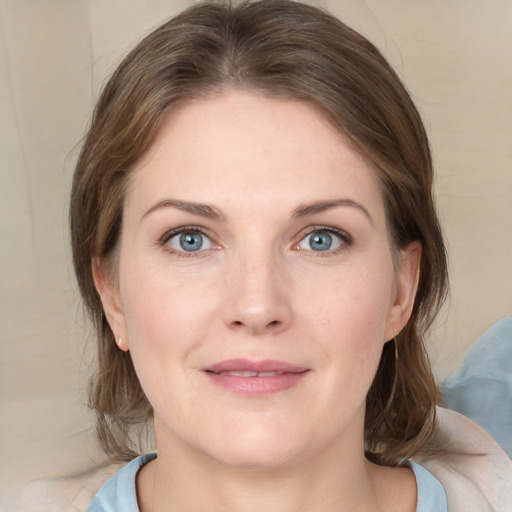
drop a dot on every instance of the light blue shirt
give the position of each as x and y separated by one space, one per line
120 495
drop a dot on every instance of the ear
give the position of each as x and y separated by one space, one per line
108 291
405 290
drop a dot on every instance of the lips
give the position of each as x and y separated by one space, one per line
238 373
244 365
255 378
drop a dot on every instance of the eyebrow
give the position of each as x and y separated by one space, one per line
322 206
211 212
203 210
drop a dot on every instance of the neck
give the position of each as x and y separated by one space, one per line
338 479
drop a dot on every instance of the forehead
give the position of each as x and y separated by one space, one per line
241 144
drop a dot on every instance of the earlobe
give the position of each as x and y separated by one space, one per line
406 287
109 293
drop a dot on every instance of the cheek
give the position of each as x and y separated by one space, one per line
349 322
165 312
165 325
355 301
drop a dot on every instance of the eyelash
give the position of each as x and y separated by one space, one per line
345 240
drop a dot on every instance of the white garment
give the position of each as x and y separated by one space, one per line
476 473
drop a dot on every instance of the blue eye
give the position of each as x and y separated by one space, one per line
190 241
320 241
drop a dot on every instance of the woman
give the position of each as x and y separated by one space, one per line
255 238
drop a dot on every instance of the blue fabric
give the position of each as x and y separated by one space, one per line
481 388
119 493
431 493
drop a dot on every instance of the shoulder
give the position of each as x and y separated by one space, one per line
101 488
70 494
475 472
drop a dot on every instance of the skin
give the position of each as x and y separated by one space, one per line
259 290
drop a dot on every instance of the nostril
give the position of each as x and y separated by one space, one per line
258 323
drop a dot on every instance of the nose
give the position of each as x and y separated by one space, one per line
258 296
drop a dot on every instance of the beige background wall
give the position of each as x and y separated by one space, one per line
455 57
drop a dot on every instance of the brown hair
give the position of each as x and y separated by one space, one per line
282 49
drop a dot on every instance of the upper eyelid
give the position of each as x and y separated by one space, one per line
328 229
170 233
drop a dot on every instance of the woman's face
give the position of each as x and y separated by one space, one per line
256 283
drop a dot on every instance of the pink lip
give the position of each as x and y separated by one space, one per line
244 365
272 376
